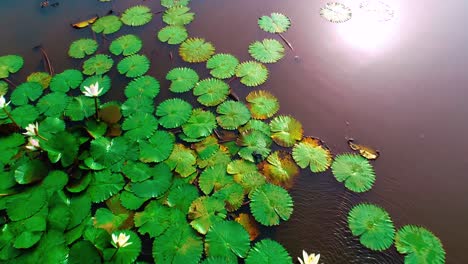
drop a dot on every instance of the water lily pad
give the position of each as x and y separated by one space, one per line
182 160
213 179
267 251
126 45
127 254
206 211
336 12
232 114
267 51
200 124
419 245
275 23
172 3
137 16
227 239
157 148
262 104
137 104
134 65
256 146
211 91
25 92
271 203
178 16
182 79
107 24
98 64
143 86
104 184
103 81
82 47
196 50
222 65
68 79
43 78
252 73
311 153
53 104
173 112
286 130
173 34
10 64
355 171
280 169
156 186
140 125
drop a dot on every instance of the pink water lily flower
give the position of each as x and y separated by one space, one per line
309 259
33 144
93 90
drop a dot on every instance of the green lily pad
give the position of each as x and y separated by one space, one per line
173 34
143 86
267 251
134 66
206 211
178 16
286 130
107 24
227 239
68 79
10 64
182 79
126 45
267 51
222 65
26 92
98 64
82 47
200 124
252 73
311 153
271 203
211 92
419 245
262 104
173 112
137 16
275 23
196 50
355 171
232 114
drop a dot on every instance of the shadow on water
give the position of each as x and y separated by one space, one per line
406 97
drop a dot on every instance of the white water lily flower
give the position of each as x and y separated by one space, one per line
33 144
309 259
121 240
93 90
3 102
32 130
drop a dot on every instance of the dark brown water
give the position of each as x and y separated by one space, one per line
405 94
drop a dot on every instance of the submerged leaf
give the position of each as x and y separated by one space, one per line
286 130
311 153
419 245
196 50
134 65
137 16
173 112
232 114
355 171
82 47
222 65
268 251
270 203
262 104
126 45
173 34
211 91
267 51
374 226
107 24
182 79
178 16
280 169
275 23
252 73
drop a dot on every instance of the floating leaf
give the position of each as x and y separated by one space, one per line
3 88
182 196
267 251
104 184
143 86
249 224
140 125
256 125
227 239
200 124
63 147
213 178
355 171
419 245
62 82
311 153
255 145
178 16
10 64
232 194
126 45
31 171
157 148
25 92
25 115
155 187
182 79
9 147
173 34
103 80
232 115
43 78
336 12
110 113
286 130
107 24
266 51
98 64
80 107
155 219
134 66
252 73
80 207
136 171
53 104
365 151
137 104
222 65
270 203
207 147
82 47
182 160
173 112
280 169
206 211
211 91
246 174
173 3
84 252
109 220
178 245
262 104
108 151
275 23
130 201
127 254
26 204
137 16
374 226
196 50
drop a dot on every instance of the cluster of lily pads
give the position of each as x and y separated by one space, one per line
86 181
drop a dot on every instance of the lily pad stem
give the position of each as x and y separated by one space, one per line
10 82
96 115
11 118
286 41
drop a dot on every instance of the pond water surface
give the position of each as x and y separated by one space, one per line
401 87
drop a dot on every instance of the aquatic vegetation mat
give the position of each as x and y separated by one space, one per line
185 179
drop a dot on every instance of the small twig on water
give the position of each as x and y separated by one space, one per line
233 95
171 56
158 12
232 79
45 57
10 82
286 41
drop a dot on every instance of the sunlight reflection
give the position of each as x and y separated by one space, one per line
373 26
